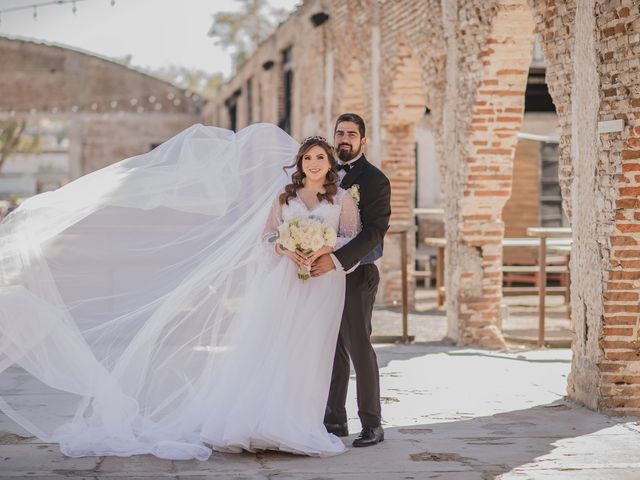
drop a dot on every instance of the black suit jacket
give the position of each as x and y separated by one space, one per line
375 211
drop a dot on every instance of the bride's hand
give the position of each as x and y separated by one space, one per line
312 257
296 257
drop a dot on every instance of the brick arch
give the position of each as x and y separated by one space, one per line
403 105
555 24
487 139
412 77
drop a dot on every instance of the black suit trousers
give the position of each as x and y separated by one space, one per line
354 341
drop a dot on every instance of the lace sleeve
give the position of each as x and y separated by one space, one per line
349 220
274 220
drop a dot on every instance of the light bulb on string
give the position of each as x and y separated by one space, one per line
74 9
35 12
113 2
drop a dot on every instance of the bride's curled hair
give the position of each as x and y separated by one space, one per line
297 178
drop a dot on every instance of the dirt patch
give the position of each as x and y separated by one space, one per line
440 457
415 431
13 439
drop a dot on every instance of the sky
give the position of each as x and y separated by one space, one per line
157 33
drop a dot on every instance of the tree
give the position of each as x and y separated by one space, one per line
242 31
13 140
204 83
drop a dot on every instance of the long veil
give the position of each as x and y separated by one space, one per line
120 292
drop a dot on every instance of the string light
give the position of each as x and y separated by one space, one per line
127 105
35 6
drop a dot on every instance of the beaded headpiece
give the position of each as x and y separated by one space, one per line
315 137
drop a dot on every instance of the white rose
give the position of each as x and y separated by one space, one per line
305 241
330 237
317 243
289 244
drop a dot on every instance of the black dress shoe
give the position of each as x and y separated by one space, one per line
338 429
369 436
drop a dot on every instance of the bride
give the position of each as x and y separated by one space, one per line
144 309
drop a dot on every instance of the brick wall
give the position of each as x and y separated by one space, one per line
599 43
492 65
522 210
467 62
555 24
112 112
618 55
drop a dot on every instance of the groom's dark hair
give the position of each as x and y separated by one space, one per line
351 117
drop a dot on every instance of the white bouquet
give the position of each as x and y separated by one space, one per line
306 235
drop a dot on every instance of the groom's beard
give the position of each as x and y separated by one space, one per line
347 155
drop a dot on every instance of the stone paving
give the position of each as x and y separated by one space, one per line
449 413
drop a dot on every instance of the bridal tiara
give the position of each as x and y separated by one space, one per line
315 137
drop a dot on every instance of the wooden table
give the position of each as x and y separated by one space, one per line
543 234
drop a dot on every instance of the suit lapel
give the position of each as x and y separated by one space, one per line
353 174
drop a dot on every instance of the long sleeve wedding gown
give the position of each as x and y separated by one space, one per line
141 312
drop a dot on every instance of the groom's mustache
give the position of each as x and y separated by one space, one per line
344 145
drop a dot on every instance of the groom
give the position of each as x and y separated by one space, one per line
372 192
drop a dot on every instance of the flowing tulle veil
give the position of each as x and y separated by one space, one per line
120 292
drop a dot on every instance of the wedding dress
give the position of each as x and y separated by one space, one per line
142 309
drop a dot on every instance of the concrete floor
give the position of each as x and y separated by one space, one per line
449 413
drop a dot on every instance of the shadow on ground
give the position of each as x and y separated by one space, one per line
450 413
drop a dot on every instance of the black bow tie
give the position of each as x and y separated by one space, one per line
343 166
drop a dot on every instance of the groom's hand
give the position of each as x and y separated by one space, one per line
322 265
